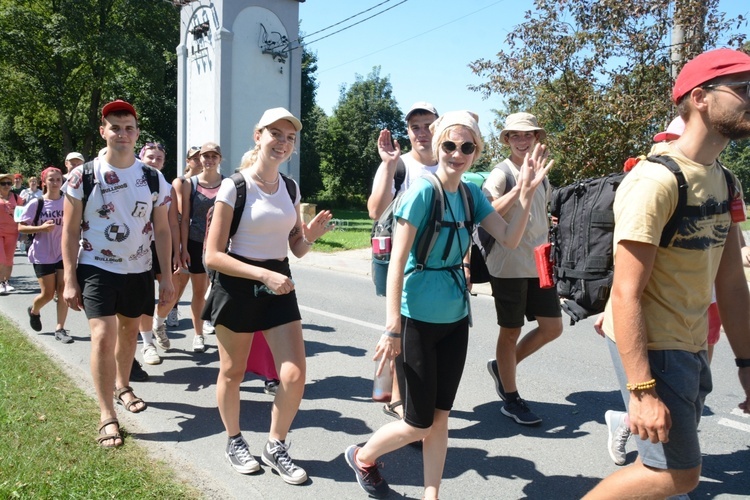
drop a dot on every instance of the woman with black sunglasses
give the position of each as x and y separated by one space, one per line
8 231
427 314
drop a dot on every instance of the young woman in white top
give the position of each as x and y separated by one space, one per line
253 290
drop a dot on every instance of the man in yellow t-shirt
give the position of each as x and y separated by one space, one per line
656 316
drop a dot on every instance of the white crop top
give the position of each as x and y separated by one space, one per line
267 220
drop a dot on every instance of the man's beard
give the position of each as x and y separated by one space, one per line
732 126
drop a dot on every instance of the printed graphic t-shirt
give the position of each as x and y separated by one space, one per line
116 231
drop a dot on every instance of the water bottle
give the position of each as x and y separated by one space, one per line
382 384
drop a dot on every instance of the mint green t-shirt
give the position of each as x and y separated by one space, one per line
437 296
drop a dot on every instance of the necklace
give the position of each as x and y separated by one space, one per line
266 182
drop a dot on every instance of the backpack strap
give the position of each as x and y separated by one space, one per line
510 179
152 179
291 187
706 209
39 206
89 180
400 175
239 203
193 188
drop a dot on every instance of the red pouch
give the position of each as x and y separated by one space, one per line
543 259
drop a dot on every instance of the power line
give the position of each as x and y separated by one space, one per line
347 19
413 37
351 25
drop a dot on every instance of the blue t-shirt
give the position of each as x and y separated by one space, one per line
435 296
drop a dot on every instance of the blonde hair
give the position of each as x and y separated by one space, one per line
439 139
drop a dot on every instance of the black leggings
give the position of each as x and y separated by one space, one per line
434 355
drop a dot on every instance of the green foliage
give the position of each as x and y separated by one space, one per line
736 157
48 427
596 73
313 119
63 59
348 146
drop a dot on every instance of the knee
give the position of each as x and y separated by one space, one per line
292 374
686 481
509 335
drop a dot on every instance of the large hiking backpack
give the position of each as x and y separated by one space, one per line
582 238
383 231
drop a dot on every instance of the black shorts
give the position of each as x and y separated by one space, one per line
515 297
106 293
242 306
46 269
433 357
195 250
155 267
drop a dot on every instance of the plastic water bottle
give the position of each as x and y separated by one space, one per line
382 384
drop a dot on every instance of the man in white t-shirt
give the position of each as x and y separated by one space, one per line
107 258
389 181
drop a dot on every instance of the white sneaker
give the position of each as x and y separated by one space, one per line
208 327
3 290
8 288
150 357
617 436
173 318
160 332
199 344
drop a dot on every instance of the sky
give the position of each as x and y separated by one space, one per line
423 46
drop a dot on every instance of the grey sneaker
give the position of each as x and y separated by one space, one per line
150 356
199 343
617 436
369 478
173 318
239 456
208 328
62 336
519 411
492 368
275 456
161 336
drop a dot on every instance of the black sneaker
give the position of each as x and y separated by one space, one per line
35 320
369 478
492 368
519 411
62 335
239 456
270 386
137 374
275 456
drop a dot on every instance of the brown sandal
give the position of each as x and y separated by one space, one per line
133 402
101 438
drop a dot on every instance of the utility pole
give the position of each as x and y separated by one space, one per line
687 32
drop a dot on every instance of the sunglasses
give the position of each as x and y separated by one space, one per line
154 145
6 183
467 148
731 85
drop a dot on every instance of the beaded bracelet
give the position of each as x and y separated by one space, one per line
306 241
641 386
391 334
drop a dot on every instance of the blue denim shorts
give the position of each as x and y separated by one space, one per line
683 380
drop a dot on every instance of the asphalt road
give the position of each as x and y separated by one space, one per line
569 383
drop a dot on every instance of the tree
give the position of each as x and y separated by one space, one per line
311 182
62 59
596 73
348 147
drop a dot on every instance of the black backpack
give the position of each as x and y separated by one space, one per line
29 238
582 238
89 180
383 227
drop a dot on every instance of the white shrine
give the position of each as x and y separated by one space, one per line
235 60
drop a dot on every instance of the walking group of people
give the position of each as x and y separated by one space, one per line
122 223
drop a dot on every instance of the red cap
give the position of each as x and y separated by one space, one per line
706 67
118 105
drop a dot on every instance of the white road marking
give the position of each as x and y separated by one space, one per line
739 413
735 425
343 318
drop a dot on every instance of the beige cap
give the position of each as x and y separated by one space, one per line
275 114
194 150
209 147
74 155
421 106
466 118
522 122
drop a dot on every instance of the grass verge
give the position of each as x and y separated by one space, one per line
353 232
48 429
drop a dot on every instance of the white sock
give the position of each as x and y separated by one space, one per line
148 337
159 321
